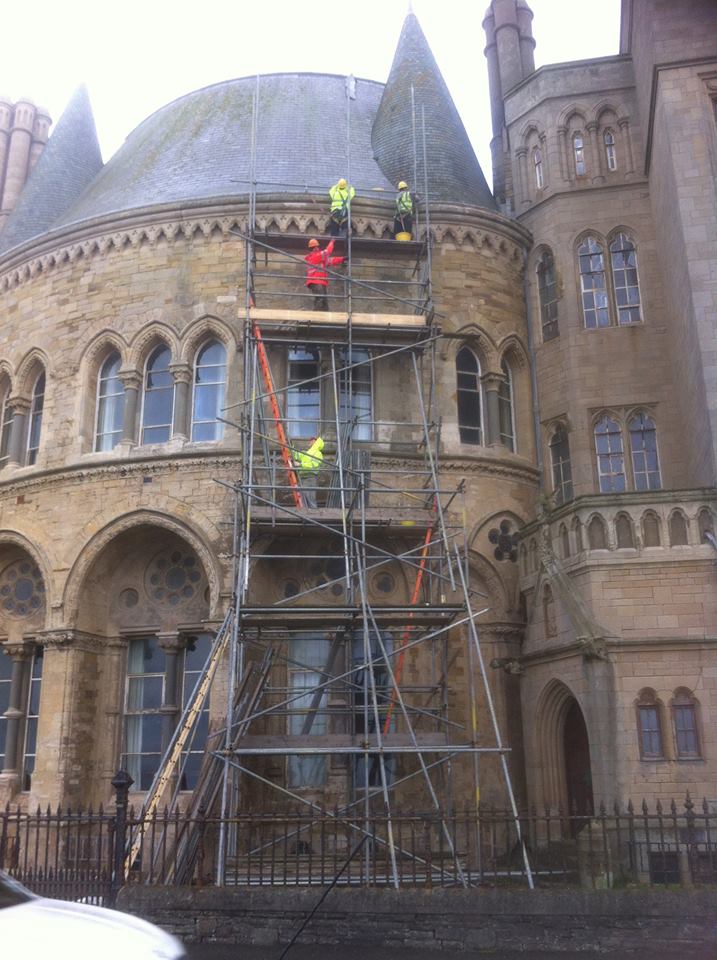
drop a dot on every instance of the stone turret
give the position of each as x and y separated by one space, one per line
24 131
510 54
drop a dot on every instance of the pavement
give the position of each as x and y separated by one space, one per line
314 951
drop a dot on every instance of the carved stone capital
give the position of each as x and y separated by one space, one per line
131 379
492 381
19 650
171 642
19 405
181 372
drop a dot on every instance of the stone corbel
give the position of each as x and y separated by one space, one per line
511 665
593 648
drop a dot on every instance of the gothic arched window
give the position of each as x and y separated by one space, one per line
110 404
35 428
649 725
579 154
560 463
506 409
593 287
470 398
623 258
608 139
643 446
623 532
685 723
678 529
610 456
157 397
651 529
210 379
303 398
538 165
548 295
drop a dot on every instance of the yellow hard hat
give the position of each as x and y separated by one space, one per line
342 184
313 242
402 185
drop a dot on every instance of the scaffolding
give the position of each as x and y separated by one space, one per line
348 618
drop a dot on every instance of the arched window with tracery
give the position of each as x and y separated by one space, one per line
538 165
470 397
548 295
651 529
623 532
623 257
35 426
593 287
649 725
7 415
678 529
579 154
158 397
610 455
506 410
685 722
608 138
560 465
110 404
643 446
210 380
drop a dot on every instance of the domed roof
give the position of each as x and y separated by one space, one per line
199 147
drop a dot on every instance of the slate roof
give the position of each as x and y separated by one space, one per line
69 163
454 173
199 146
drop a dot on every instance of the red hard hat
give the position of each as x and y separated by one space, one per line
313 242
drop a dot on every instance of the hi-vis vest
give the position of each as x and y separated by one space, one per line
340 197
404 202
311 460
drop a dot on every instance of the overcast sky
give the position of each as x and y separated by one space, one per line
137 55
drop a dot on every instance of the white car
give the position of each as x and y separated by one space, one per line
34 928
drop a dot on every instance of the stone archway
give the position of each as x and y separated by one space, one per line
563 747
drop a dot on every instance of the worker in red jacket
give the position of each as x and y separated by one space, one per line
317 279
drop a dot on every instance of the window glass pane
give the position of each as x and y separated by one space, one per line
365 650
357 408
627 290
210 373
547 292
560 462
685 730
643 445
611 462
303 400
195 657
5 679
307 651
38 402
592 283
32 719
8 416
146 663
469 398
650 733
505 408
158 401
579 154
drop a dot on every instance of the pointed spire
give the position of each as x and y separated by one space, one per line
69 162
454 173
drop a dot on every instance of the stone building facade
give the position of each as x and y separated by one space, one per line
121 287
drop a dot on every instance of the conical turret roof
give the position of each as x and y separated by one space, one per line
454 173
70 161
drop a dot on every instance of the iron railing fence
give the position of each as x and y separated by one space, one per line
69 854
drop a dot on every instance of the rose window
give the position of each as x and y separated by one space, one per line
22 591
174 577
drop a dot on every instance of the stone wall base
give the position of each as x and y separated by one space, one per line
628 922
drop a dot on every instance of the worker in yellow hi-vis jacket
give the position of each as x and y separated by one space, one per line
309 463
340 195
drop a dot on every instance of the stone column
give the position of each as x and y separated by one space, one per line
491 421
18 432
626 138
182 374
40 133
597 162
563 154
5 124
18 153
10 776
132 382
521 154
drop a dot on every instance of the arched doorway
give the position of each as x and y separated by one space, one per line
576 754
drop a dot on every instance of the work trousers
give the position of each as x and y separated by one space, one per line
321 301
338 223
403 224
309 483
